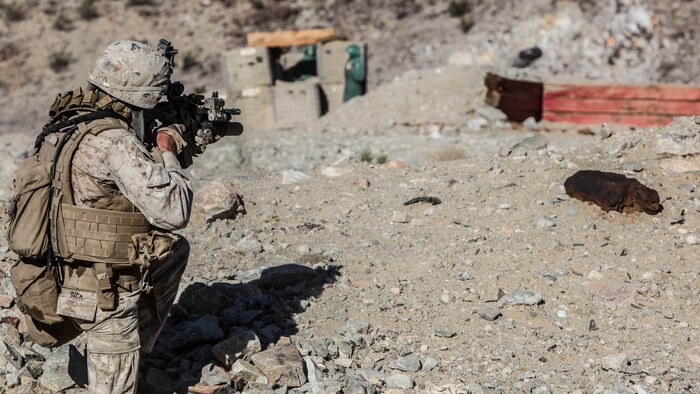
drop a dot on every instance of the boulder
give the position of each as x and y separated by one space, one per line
282 365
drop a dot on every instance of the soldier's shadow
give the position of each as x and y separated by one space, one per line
204 315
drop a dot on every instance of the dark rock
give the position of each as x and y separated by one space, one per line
286 275
198 299
239 346
613 192
189 333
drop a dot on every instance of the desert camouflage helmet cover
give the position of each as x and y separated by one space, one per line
132 72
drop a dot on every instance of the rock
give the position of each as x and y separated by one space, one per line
531 144
530 124
521 297
445 333
491 294
410 363
400 217
291 176
634 166
282 365
362 183
430 364
400 381
282 276
351 328
605 131
198 298
491 114
313 372
692 240
614 362
395 165
10 334
489 313
60 368
10 355
357 385
214 375
159 381
6 301
239 346
343 362
190 333
675 143
476 124
248 372
372 376
333 172
249 245
216 200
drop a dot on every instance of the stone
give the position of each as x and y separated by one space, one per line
400 381
248 372
400 217
491 294
6 301
430 364
282 365
445 333
343 362
216 200
357 327
634 166
521 297
214 375
409 363
491 114
291 176
285 275
530 144
614 362
191 333
372 376
357 385
605 131
476 124
692 240
677 144
10 355
313 372
198 298
334 172
239 346
60 367
159 381
10 334
395 165
489 313
362 183
530 124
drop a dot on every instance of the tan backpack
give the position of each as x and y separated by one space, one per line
30 230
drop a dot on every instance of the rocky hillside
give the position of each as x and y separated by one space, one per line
48 46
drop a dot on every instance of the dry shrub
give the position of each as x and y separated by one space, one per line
60 60
448 154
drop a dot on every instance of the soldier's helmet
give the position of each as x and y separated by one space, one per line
353 50
132 72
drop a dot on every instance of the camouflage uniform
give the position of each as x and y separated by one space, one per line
116 162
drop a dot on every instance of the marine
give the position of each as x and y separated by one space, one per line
113 208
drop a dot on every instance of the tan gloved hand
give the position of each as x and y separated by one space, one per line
202 138
175 131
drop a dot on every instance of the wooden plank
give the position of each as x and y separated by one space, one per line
623 92
510 101
630 106
588 119
290 37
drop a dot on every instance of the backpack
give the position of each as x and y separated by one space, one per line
30 231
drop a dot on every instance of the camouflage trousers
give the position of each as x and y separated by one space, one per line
116 338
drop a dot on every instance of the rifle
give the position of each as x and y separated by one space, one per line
196 112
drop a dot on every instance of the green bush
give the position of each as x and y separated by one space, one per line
14 12
457 8
63 23
87 10
60 60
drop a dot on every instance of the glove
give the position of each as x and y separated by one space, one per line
201 139
175 131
